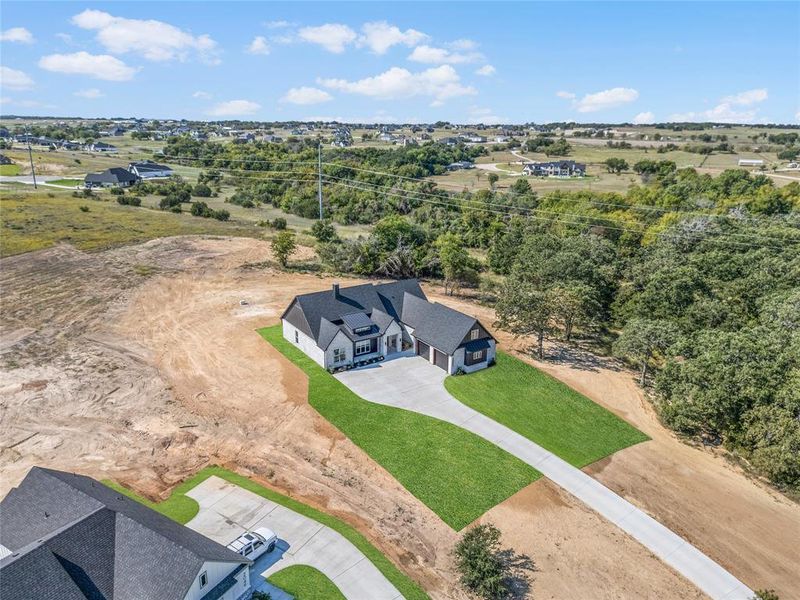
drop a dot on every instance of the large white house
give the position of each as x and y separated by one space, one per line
343 327
70 537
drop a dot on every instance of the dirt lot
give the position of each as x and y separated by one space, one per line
141 364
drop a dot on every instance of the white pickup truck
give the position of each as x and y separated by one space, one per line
253 544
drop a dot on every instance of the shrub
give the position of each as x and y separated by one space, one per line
279 223
323 231
222 215
84 208
117 191
201 190
129 200
480 564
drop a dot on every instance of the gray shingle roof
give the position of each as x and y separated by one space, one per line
321 315
108 545
112 175
436 324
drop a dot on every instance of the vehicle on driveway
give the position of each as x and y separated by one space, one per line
253 544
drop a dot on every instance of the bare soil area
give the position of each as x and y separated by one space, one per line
142 364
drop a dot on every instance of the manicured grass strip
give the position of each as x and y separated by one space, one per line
544 410
66 182
10 170
176 507
306 583
457 474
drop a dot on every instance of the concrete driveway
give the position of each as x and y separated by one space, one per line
227 511
412 383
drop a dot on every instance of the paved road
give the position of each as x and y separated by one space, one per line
227 511
412 383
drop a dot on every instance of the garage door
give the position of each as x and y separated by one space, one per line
440 359
423 350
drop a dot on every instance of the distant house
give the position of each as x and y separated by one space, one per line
344 327
116 131
149 170
462 164
113 177
100 147
449 141
750 162
473 138
558 168
69 537
70 145
4 160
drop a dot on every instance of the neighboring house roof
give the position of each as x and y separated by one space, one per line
148 166
112 175
365 311
90 541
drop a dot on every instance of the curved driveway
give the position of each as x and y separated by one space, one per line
227 511
412 383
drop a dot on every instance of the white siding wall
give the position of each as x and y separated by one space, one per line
217 571
305 343
393 329
340 341
458 360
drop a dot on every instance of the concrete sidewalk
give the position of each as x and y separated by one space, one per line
415 384
227 511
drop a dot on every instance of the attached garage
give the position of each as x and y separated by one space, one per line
440 359
423 350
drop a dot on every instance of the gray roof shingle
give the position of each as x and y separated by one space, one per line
107 545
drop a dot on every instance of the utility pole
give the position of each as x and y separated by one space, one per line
319 179
30 157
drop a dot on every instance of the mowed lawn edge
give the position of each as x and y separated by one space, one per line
182 508
544 410
455 473
306 583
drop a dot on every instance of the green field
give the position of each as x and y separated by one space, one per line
66 182
544 410
457 474
306 583
35 220
181 508
9 170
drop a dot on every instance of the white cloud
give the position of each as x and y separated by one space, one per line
440 56
747 98
485 116
99 66
463 44
306 95
606 99
334 37
729 109
16 34
201 94
379 36
277 24
65 37
11 79
566 95
27 103
259 45
643 118
155 40
89 94
439 83
234 108
486 71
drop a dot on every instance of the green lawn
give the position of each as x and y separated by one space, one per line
32 220
544 410
306 583
457 474
9 170
66 182
181 508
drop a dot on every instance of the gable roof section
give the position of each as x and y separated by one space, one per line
436 324
106 544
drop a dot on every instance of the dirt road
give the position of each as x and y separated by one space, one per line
141 364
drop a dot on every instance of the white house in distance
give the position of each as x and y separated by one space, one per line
149 170
343 327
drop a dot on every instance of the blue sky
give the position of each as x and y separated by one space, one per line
414 61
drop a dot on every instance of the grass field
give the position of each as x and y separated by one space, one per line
9 170
457 474
181 508
35 220
544 410
66 182
306 583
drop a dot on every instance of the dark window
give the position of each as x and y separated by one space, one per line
296 337
203 579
